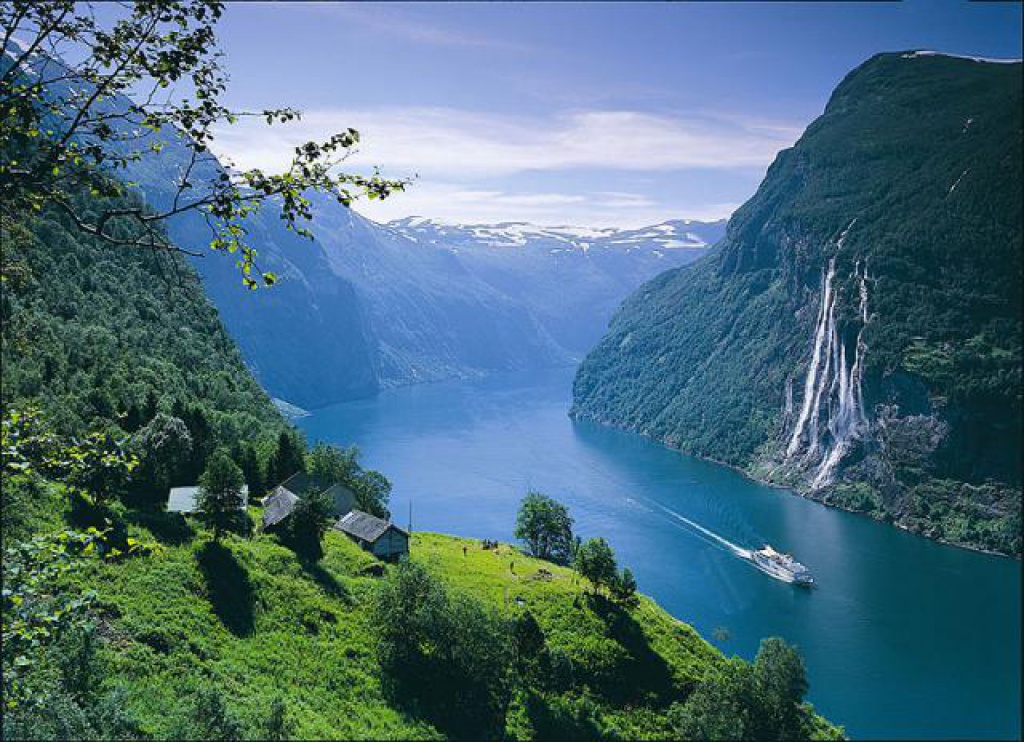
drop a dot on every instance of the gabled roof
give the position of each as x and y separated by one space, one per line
185 499
278 505
365 526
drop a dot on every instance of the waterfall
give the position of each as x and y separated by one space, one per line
812 389
832 413
849 420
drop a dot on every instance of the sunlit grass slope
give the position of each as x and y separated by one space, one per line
256 622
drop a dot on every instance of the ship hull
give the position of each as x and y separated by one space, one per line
781 574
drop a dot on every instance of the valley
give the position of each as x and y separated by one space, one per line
479 421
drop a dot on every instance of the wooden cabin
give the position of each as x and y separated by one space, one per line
280 503
379 537
277 506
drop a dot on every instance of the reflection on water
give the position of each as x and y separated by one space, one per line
903 637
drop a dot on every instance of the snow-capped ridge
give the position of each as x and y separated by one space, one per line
669 235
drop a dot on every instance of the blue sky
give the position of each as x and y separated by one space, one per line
605 114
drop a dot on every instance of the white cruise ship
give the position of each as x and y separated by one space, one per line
781 566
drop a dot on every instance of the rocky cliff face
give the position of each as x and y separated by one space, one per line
857 334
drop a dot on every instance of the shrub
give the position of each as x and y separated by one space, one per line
443 656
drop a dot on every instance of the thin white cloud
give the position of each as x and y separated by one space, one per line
448 143
465 161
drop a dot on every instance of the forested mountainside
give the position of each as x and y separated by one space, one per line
91 329
857 334
107 338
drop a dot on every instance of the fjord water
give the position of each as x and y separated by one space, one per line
902 637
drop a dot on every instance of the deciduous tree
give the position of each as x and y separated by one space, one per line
595 561
545 526
309 521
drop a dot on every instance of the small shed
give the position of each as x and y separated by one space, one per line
379 537
185 499
277 506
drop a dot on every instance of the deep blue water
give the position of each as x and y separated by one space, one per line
902 637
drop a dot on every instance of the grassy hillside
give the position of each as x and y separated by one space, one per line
253 621
905 195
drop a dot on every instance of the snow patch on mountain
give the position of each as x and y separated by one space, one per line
670 235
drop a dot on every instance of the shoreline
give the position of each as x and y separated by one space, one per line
788 489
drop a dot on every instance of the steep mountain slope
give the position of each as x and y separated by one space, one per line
367 306
857 334
92 331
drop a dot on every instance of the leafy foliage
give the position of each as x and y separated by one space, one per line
334 465
546 527
220 501
623 588
163 444
443 654
287 459
97 464
595 561
65 127
208 717
51 677
763 701
309 522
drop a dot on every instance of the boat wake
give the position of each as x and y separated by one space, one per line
779 566
735 549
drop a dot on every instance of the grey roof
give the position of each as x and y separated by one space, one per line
301 483
278 505
364 526
184 499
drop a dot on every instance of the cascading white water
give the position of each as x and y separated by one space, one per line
812 388
832 413
848 421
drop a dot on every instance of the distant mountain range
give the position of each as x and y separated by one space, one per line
857 333
369 306
671 235
430 301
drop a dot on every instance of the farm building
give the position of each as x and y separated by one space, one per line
344 499
277 506
302 483
379 537
280 503
185 499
